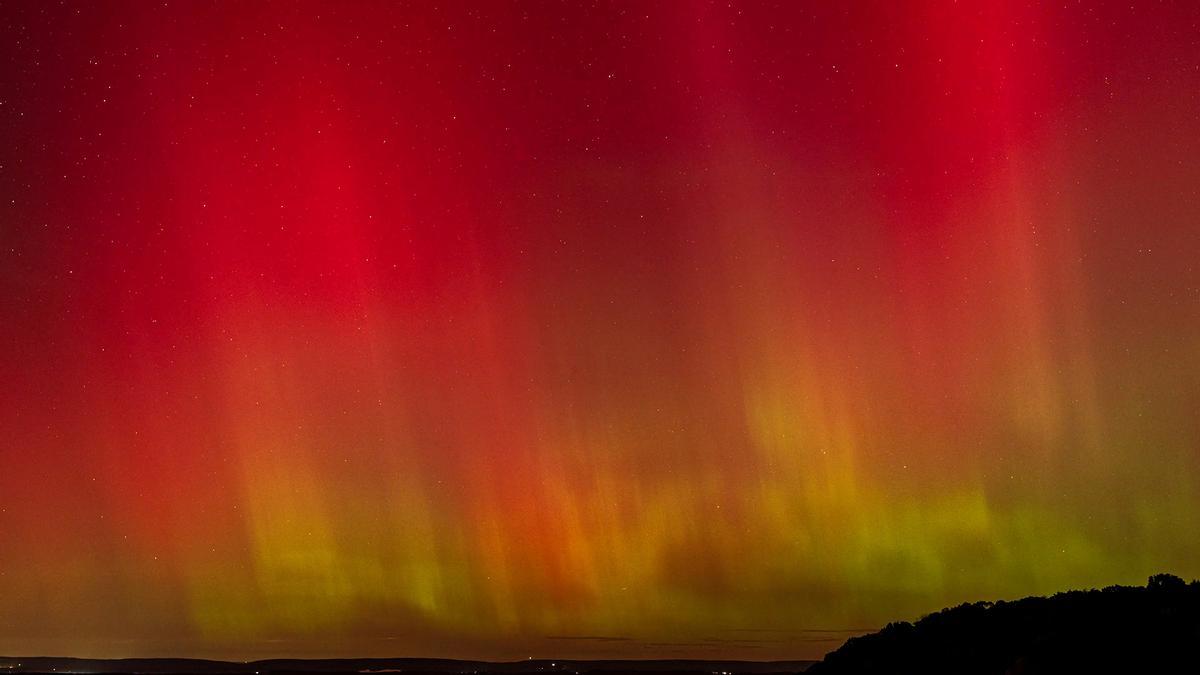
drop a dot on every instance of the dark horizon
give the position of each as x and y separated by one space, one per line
185 666
1150 626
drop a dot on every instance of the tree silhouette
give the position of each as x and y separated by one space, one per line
1166 582
1155 629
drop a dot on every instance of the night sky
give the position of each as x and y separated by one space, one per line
631 329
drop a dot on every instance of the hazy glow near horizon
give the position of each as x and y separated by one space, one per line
639 330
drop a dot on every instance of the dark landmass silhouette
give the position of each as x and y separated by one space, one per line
408 666
1121 629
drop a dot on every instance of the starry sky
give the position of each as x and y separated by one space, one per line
620 329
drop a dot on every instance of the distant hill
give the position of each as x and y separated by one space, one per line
1155 629
55 665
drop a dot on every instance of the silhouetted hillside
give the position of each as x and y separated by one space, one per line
1155 629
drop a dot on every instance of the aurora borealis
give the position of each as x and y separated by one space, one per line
587 329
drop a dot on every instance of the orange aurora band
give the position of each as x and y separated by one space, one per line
640 330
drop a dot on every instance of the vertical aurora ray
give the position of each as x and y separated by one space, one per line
468 332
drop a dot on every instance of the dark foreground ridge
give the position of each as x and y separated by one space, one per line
1122 629
58 666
